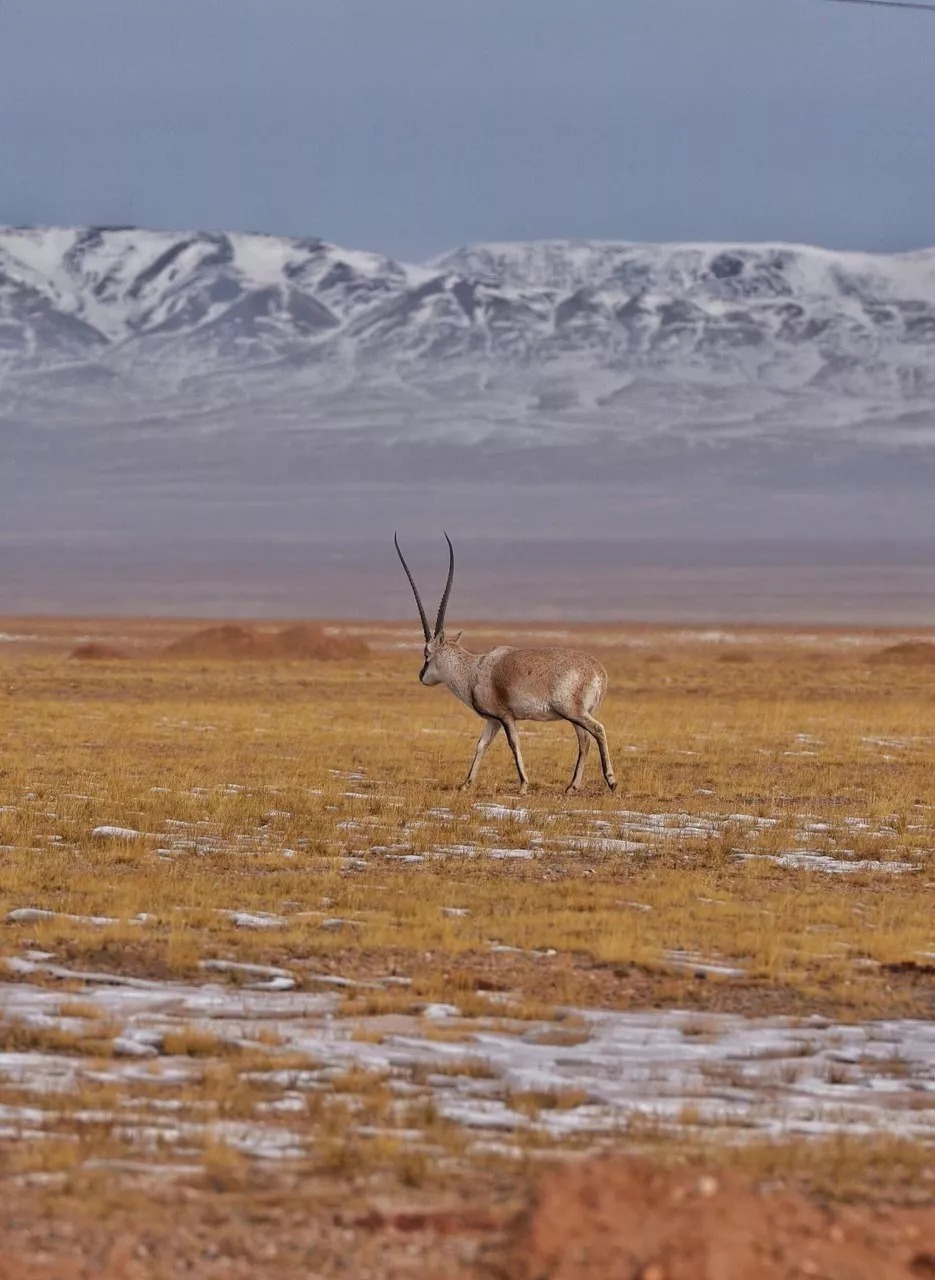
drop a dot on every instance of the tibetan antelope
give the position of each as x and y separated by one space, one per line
504 685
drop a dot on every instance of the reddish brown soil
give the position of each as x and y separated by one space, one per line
613 1218
628 1221
95 651
910 653
226 641
305 641
300 641
314 1230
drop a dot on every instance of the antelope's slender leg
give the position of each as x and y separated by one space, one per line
488 733
512 737
584 742
596 730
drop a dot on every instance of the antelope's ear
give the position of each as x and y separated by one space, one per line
439 638
457 637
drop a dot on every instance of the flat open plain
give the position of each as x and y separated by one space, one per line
268 977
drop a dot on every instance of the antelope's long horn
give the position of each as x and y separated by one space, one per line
415 591
443 607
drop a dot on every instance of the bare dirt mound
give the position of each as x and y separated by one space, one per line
626 1219
305 641
226 641
96 651
298 642
910 653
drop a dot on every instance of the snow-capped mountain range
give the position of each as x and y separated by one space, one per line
520 343
216 421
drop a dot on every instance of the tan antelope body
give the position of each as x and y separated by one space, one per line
505 684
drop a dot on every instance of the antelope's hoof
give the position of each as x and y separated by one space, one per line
571 789
523 789
612 783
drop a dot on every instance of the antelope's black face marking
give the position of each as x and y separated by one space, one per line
430 674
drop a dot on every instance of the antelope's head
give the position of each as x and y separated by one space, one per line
438 654
438 647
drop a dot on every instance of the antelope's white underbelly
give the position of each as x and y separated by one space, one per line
529 707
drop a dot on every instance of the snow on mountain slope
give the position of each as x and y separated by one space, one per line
714 269
129 284
531 341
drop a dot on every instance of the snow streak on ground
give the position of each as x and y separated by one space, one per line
521 832
588 1075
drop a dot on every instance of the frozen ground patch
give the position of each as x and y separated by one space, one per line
37 915
626 832
589 1074
255 919
503 811
806 860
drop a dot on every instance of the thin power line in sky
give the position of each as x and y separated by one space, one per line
890 4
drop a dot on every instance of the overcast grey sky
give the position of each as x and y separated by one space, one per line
411 126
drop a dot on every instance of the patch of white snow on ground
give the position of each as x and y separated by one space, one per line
35 915
692 963
503 811
745 1076
255 919
807 860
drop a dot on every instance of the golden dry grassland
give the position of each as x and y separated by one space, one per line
769 852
